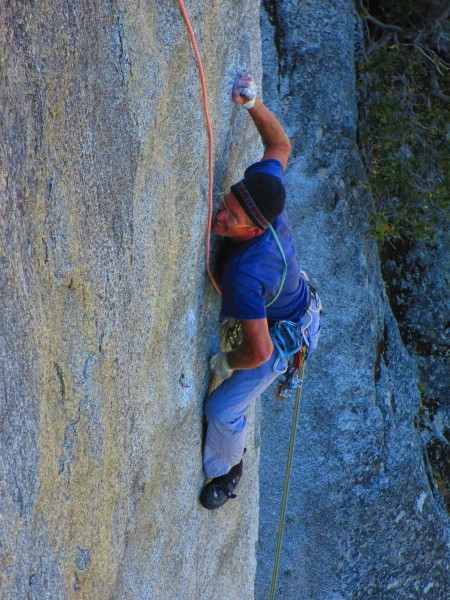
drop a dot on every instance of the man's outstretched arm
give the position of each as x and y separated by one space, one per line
273 136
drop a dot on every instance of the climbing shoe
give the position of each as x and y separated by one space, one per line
220 489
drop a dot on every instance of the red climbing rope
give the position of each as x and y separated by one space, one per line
210 136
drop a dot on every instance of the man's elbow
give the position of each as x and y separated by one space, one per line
262 354
284 145
282 151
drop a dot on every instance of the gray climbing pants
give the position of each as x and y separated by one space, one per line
225 413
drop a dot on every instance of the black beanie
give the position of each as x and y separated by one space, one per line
262 196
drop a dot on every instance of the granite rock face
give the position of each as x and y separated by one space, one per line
418 282
106 318
364 520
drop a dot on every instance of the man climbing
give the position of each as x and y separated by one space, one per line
261 285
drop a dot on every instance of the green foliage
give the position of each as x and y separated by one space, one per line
399 13
406 136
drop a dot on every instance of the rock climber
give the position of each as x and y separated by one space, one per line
252 275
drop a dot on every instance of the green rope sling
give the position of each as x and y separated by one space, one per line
283 277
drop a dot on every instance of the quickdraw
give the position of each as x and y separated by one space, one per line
234 333
291 379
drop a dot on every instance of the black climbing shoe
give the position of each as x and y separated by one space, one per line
218 491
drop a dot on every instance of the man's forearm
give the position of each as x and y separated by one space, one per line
268 126
239 359
248 357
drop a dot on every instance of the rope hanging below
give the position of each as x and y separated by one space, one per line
287 475
210 138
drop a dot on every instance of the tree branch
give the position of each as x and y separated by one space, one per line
441 11
434 85
383 25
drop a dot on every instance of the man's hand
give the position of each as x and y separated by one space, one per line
274 138
244 90
219 366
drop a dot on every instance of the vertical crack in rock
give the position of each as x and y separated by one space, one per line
438 488
45 250
34 577
381 353
70 440
335 201
286 62
122 44
271 8
51 185
62 384
76 581
19 496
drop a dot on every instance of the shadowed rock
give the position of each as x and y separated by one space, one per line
364 520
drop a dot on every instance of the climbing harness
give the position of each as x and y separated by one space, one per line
210 138
289 337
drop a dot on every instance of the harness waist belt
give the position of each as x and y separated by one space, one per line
309 290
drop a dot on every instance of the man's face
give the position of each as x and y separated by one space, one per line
231 220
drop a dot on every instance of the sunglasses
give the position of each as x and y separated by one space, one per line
230 219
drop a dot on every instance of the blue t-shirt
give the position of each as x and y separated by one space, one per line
252 272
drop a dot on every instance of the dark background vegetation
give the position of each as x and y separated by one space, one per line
404 137
405 133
